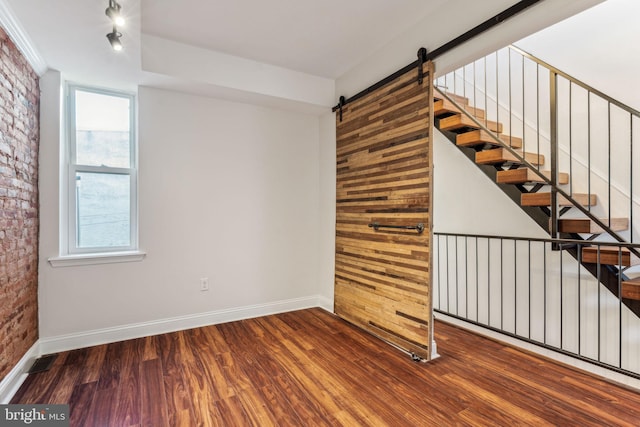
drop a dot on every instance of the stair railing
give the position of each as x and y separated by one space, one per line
562 117
522 288
591 136
482 124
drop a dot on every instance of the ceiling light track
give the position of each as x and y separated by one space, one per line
114 12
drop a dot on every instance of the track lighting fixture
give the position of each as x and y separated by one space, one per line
114 13
114 39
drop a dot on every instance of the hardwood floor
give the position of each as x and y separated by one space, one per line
309 368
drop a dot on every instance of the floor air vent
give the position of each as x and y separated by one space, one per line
43 363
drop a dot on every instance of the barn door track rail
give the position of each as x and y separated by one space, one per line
424 56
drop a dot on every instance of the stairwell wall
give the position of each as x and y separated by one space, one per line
516 93
451 208
598 335
465 201
593 47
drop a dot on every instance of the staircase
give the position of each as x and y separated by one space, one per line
532 177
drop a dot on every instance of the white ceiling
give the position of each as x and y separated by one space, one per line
320 38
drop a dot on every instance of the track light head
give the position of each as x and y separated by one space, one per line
114 39
114 13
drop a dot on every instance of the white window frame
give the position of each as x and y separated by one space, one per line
70 253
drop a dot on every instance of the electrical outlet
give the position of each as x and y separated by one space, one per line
204 284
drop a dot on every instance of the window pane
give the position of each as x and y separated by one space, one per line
102 130
103 210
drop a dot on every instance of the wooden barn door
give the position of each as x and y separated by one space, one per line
384 175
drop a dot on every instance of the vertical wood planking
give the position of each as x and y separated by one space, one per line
384 175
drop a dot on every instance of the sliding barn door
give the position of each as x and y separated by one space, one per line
384 178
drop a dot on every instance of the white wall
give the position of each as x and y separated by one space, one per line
327 207
227 191
403 49
598 46
586 46
466 201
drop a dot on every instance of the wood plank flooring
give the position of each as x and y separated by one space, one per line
309 368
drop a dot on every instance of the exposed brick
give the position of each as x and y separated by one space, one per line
19 143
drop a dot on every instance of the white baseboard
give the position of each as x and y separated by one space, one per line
325 303
14 379
125 332
434 349
12 382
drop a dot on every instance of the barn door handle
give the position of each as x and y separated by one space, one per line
418 227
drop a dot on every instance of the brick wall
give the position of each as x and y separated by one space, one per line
19 139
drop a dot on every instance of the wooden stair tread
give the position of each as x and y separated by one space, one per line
544 199
461 100
444 106
481 137
461 121
631 289
502 155
526 175
587 226
608 256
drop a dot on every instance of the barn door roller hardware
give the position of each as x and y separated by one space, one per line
422 58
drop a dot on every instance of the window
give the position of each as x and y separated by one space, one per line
102 197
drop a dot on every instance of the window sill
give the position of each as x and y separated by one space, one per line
96 258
